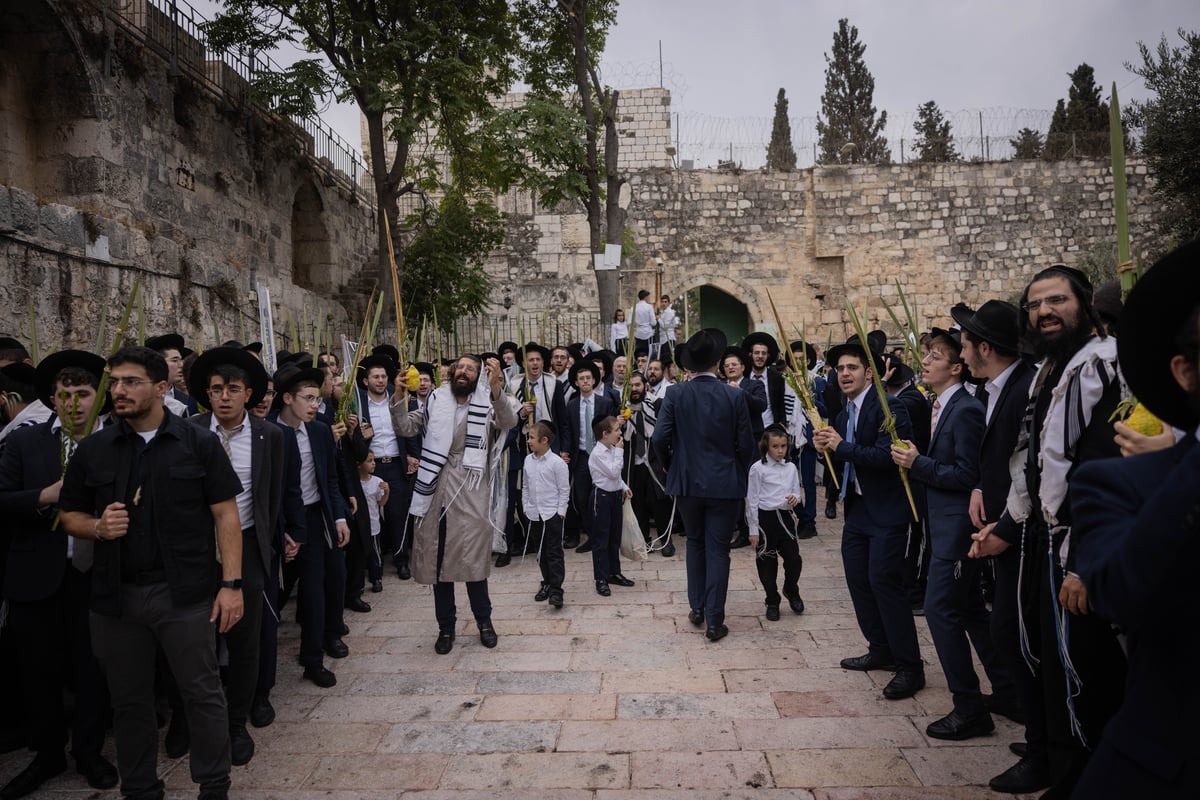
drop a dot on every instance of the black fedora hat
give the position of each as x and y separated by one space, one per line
854 347
954 335
287 376
388 350
169 341
810 352
425 368
605 357
738 353
582 365
902 374
207 362
49 367
763 338
704 350
534 347
377 360
1161 302
995 322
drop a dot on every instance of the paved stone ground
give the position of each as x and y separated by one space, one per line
608 699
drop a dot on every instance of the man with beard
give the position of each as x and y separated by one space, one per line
1140 517
656 382
150 490
560 362
463 425
376 376
1076 655
647 478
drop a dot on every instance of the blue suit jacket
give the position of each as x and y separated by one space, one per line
950 472
1138 526
756 400
570 437
704 438
886 504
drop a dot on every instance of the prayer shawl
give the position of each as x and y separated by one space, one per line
439 432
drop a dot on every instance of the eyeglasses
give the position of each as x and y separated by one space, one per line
1053 301
128 383
312 400
232 391
934 355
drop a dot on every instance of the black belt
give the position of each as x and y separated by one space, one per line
386 459
146 578
251 531
311 506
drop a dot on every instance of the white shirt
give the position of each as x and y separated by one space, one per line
546 487
309 492
643 320
372 487
768 418
994 387
240 447
618 332
858 405
585 427
384 442
605 464
666 324
768 488
33 414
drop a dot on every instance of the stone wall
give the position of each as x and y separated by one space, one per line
117 159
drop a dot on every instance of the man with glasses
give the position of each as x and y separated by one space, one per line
170 345
149 491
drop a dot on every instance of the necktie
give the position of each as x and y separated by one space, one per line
227 439
587 424
848 471
937 410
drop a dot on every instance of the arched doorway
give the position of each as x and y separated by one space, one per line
719 309
310 240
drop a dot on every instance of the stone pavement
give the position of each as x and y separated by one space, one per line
608 699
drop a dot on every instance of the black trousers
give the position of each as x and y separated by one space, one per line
606 532
321 599
648 502
550 554
1006 633
269 629
581 490
777 541
394 536
244 640
125 647
443 594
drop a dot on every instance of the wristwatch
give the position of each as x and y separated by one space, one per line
236 583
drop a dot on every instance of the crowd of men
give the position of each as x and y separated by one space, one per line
165 507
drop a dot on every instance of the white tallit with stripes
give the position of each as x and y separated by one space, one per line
439 434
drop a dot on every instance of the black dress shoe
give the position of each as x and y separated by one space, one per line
336 648
807 532
97 771
241 746
503 560
444 643
320 676
773 613
869 662
905 683
403 572
956 727
586 547
831 508
487 635
377 586
1018 749
796 604
696 617
28 780
668 550
556 599
1024 777
358 604
178 741
1005 706
620 580
542 593
716 633
344 630
602 589
262 713
570 542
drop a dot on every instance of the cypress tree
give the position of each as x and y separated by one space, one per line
780 153
848 129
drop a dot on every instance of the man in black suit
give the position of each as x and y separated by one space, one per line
648 479
171 346
733 367
901 384
990 351
1140 520
703 436
877 518
46 582
589 405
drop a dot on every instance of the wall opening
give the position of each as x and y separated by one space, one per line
311 266
719 309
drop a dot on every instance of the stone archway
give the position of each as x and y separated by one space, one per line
724 303
311 264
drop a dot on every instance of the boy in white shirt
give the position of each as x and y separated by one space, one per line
772 492
546 493
376 491
609 492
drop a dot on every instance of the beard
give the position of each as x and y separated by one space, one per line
635 397
460 388
1059 346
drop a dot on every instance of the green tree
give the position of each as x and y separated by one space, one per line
780 153
1080 126
1170 122
848 129
1028 144
934 142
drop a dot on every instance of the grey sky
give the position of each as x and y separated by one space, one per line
724 61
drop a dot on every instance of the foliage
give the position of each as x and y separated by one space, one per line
781 155
848 129
1028 144
1080 126
1170 123
934 140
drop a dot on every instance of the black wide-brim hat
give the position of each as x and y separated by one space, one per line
762 337
425 368
704 350
1161 302
953 335
387 350
169 341
810 352
377 360
207 362
606 357
995 322
737 353
854 347
534 347
287 376
902 374
49 367
579 366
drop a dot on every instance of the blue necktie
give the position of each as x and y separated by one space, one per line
848 470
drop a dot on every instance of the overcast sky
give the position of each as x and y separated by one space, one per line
724 61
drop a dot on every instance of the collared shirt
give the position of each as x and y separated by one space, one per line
768 488
384 443
546 486
666 324
994 387
643 320
943 400
587 406
309 491
605 464
372 487
858 407
768 418
240 445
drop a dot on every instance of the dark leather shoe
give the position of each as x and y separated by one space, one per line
320 676
487 635
807 532
831 508
716 633
696 617
1005 706
241 746
262 713
178 741
28 780
620 580
957 727
444 643
376 586
336 648
503 560
1024 777
906 683
542 593
602 589
556 600
345 630
97 771
796 604
586 547
668 550
773 613
869 662
570 542
359 605
403 572
1018 749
